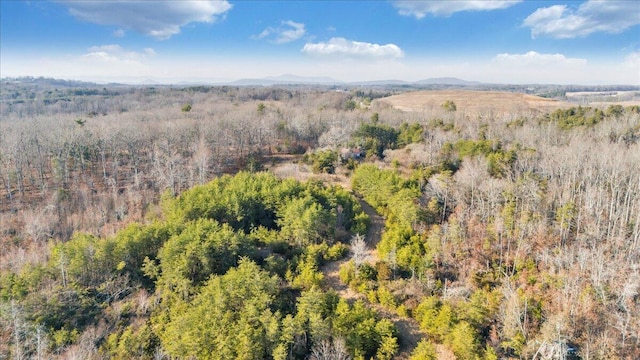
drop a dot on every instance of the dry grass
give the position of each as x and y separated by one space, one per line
473 102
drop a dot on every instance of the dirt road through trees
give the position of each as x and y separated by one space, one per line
408 330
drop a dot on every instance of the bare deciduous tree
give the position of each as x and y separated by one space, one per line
358 251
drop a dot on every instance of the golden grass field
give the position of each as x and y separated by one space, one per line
473 102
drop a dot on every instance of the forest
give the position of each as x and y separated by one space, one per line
303 222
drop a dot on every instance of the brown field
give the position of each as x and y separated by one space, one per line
473 102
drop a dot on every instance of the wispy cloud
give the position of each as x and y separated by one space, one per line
535 59
633 60
159 19
115 54
420 9
288 31
341 47
563 22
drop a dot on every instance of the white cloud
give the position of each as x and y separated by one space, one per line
149 51
534 59
342 47
287 32
534 67
119 33
631 65
562 22
633 59
116 54
420 9
159 19
295 32
106 48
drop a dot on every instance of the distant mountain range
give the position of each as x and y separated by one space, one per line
546 90
290 79
446 81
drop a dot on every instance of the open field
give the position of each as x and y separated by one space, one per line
474 102
603 99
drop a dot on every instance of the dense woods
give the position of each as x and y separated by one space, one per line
133 228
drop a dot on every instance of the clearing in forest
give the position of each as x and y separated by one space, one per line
473 102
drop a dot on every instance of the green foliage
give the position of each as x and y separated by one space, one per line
135 243
204 247
567 119
459 326
481 309
305 221
490 353
336 252
499 161
565 215
379 186
230 318
63 337
374 138
66 311
85 260
449 105
388 343
463 341
366 272
243 201
133 342
396 198
247 201
214 302
315 308
436 123
471 148
186 107
386 298
410 134
322 161
615 111
424 351
350 105
307 274
18 286
435 318
515 344
347 272
364 334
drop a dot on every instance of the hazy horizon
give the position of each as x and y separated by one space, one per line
505 42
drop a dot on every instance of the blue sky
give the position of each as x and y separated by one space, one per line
512 41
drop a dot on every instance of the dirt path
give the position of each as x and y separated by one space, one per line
408 330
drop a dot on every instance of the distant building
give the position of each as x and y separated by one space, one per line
351 153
